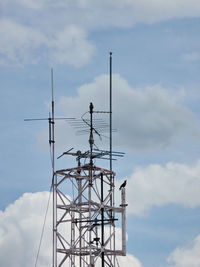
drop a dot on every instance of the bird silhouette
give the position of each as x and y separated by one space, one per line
123 185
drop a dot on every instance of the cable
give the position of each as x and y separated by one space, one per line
45 217
43 227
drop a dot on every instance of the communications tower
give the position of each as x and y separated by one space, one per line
84 211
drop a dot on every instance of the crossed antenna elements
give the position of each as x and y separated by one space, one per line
100 126
84 211
84 224
51 121
89 215
91 126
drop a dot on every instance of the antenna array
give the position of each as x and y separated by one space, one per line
84 211
84 224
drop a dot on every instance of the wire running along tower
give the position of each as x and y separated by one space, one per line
84 231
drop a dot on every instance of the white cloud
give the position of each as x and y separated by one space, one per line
70 46
157 185
186 256
129 260
18 42
145 118
130 12
22 45
20 229
39 20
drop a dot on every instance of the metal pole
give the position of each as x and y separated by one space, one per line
123 196
53 170
111 117
91 142
79 181
111 176
102 223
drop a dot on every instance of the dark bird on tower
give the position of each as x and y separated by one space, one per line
123 185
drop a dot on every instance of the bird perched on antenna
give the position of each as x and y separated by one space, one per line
123 185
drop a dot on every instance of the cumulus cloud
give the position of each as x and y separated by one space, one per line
187 256
145 118
20 229
157 185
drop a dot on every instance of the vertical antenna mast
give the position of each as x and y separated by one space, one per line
53 170
53 134
52 122
111 112
111 176
91 212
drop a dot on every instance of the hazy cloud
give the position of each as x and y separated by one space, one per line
23 45
118 13
19 42
37 21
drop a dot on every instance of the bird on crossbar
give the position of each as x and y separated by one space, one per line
123 185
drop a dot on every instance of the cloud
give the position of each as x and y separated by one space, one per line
128 13
130 261
70 46
23 45
157 185
20 229
18 42
57 18
187 256
120 13
145 118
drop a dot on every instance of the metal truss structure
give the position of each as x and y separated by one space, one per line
84 211
84 222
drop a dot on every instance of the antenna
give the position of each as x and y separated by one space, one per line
51 120
83 198
111 176
111 112
89 211
52 128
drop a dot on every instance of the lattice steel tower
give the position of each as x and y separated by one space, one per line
84 222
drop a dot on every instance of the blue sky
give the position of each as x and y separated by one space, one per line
156 62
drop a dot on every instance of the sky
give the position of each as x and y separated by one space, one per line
156 62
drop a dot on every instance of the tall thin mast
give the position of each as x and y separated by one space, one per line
52 141
111 112
53 134
111 176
